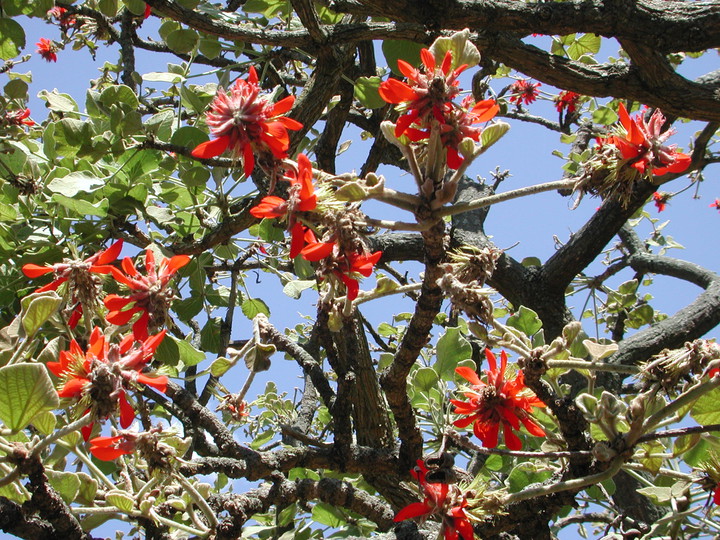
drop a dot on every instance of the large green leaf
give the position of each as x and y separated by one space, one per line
25 391
400 49
706 410
252 306
452 347
12 39
366 92
74 183
525 320
37 309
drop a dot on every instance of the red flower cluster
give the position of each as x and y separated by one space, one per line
150 294
442 500
660 199
111 448
642 144
344 267
245 123
18 118
98 378
427 97
47 49
567 100
715 204
523 92
81 284
497 402
61 14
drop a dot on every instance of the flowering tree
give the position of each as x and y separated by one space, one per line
133 228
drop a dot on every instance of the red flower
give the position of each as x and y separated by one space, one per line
18 118
63 17
82 286
47 49
98 378
660 199
148 11
353 264
150 296
716 495
442 500
428 94
245 123
111 448
496 402
523 92
643 144
460 126
567 100
715 204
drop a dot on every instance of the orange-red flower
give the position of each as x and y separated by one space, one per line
460 125
715 204
111 448
47 49
18 118
65 19
442 500
427 94
244 122
496 402
523 91
567 100
660 199
150 296
351 265
81 284
98 378
642 144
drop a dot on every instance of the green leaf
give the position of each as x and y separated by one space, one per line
220 366
188 136
252 306
326 514
58 102
604 115
210 47
525 474
706 410
182 41
452 347
7 213
366 92
88 489
120 95
37 309
210 335
585 44
262 438
462 49
658 495
12 39
45 422
525 320
163 76
397 49
16 89
82 207
74 183
425 378
136 7
493 133
173 350
120 499
25 391
109 8
67 484
295 288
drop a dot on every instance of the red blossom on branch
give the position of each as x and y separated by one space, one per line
18 118
246 123
642 144
47 49
61 14
523 92
97 379
111 448
496 402
150 296
427 94
461 125
660 199
442 500
715 204
567 100
82 285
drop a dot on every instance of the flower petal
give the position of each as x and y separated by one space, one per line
212 148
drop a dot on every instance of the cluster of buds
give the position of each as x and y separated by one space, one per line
671 369
637 151
464 278
608 412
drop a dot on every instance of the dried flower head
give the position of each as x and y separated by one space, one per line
671 369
